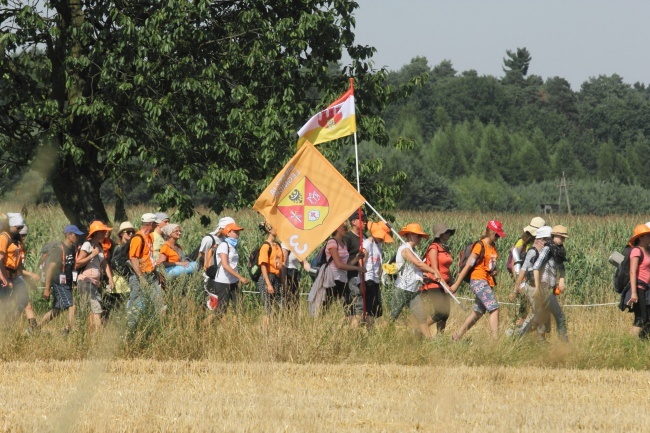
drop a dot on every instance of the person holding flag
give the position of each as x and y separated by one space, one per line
354 301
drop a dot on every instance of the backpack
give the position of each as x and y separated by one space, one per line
120 263
253 268
622 273
48 252
464 256
212 259
510 264
320 258
194 255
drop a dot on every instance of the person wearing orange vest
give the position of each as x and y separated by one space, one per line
144 282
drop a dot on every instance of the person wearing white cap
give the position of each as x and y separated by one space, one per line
13 287
211 240
158 236
144 282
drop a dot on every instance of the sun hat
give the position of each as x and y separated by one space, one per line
15 219
497 227
543 232
440 229
223 222
535 223
413 228
640 230
379 230
149 218
97 226
72 229
231 227
168 229
355 216
160 217
24 231
125 226
560 231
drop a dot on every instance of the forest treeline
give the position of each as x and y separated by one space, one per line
502 144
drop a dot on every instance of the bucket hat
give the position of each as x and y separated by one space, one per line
126 225
560 231
97 226
441 228
640 230
413 228
543 232
380 230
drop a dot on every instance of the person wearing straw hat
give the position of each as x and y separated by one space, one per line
559 234
90 263
482 267
434 296
516 259
118 294
372 246
410 277
638 297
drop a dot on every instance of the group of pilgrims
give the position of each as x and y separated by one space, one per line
350 278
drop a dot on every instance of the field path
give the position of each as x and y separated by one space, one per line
146 395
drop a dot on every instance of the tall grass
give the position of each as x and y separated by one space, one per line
598 335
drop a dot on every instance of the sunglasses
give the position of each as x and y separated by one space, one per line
130 232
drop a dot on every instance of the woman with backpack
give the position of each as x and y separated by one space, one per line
516 259
434 296
172 256
559 234
638 297
227 277
119 258
91 263
481 266
338 259
410 277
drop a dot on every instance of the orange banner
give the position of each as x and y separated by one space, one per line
307 201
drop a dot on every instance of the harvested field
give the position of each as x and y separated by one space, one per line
147 395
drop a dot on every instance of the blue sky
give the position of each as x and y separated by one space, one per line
573 39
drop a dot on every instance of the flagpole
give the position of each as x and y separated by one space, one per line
441 282
356 157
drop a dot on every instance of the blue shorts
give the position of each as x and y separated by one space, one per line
485 299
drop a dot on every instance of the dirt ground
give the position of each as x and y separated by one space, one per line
145 395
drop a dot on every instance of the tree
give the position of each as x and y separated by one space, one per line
516 65
204 95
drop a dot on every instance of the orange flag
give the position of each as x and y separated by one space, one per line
307 201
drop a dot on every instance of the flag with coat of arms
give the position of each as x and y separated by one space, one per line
307 201
336 121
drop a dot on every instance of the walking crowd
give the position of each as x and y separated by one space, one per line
348 273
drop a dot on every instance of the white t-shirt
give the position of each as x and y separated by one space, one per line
293 262
208 241
409 276
224 276
372 260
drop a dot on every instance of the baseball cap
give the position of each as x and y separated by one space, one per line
231 227
149 218
160 217
72 229
223 222
497 227
355 216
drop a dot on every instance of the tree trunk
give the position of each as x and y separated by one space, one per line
120 210
78 192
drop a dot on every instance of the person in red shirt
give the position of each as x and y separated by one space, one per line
433 295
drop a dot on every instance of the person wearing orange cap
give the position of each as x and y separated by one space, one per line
372 246
482 267
227 277
91 263
638 297
410 277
